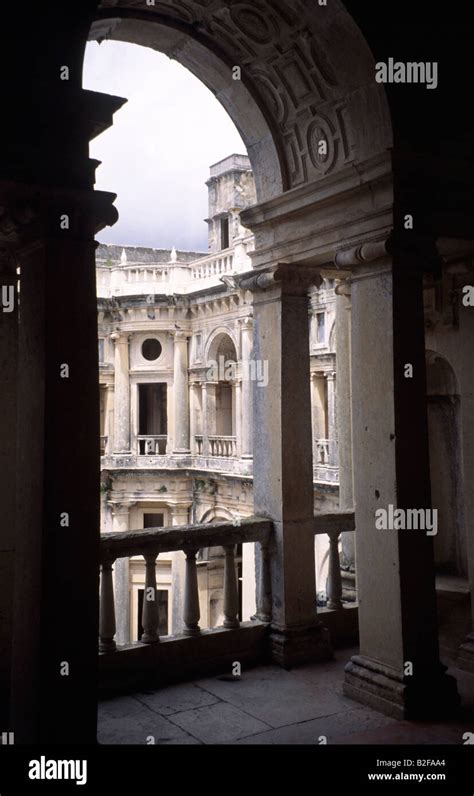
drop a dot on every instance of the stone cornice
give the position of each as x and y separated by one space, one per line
309 224
320 193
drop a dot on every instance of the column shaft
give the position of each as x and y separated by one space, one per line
122 395
247 390
56 603
282 427
344 413
181 393
121 524
397 618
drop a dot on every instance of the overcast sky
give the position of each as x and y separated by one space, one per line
157 154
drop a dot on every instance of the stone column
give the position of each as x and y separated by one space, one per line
8 430
109 418
398 669
122 394
332 428
179 516
282 428
344 412
247 390
208 415
193 409
181 393
58 498
318 411
121 524
237 409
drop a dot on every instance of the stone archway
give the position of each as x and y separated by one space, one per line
304 110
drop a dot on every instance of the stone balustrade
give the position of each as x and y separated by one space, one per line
188 538
152 445
215 265
334 525
223 447
199 650
322 450
326 452
146 273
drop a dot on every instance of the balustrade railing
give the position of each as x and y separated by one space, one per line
224 447
215 265
326 452
188 538
333 525
152 445
140 273
198 650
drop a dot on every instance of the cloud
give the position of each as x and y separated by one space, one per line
157 154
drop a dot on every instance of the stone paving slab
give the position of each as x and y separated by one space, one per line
313 732
219 723
176 699
115 727
276 697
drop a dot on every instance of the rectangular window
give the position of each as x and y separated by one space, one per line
152 418
198 347
153 520
320 327
101 351
224 233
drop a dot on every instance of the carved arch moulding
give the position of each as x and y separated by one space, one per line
306 72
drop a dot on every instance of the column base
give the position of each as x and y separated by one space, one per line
430 696
293 647
465 659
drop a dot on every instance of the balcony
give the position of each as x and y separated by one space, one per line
202 651
152 445
214 265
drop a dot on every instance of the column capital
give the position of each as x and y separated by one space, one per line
330 375
247 322
121 507
180 336
343 287
290 277
120 338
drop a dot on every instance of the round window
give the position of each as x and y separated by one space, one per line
151 349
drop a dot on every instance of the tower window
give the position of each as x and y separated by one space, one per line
225 233
320 327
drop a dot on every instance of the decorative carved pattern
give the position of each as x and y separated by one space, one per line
275 43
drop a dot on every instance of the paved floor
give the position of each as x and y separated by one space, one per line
269 705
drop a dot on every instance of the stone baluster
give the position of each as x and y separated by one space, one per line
334 583
150 617
264 584
191 613
231 594
107 626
